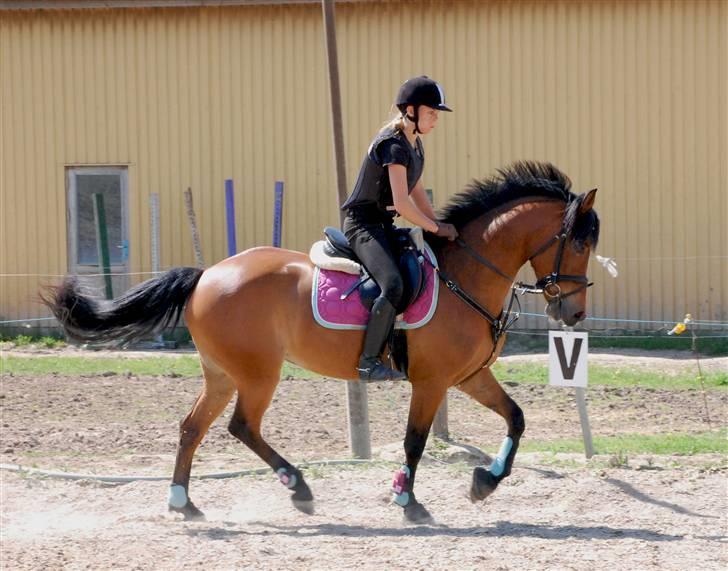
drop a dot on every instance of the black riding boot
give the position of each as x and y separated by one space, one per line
380 324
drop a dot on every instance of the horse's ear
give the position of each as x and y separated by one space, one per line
588 202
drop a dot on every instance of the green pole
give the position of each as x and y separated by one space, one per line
102 242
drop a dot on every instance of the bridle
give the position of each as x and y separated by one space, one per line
548 284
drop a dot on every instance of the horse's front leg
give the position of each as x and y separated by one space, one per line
484 388
423 406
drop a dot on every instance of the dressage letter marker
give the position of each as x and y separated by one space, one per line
568 352
567 359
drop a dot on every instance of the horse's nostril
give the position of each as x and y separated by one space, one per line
580 316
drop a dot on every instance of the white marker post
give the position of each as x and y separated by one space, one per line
154 221
568 356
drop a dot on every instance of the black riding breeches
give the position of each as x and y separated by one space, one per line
374 244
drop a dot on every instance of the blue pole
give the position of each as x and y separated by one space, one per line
230 216
278 214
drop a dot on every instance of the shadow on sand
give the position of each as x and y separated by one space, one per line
498 529
630 490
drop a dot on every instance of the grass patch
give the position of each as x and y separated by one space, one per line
178 366
678 444
600 375
189 366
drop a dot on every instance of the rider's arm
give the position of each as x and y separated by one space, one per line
422 201
403 204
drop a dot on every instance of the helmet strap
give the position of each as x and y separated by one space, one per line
415 119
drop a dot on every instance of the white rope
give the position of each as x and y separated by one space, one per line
79 275
622 319
704 322
671 258
220 475
594 336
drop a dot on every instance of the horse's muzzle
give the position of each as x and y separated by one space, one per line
561 310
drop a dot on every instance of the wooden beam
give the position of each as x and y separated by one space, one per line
356 393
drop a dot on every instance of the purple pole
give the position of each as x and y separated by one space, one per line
278 214
230 216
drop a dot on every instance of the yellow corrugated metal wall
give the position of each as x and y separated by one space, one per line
629 96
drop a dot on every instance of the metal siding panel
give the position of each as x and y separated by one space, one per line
715 212
10 245
721 281
627 96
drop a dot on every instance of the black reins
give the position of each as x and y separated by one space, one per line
547 285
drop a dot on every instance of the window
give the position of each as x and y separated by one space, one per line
111 184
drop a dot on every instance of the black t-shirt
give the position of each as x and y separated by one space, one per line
371 199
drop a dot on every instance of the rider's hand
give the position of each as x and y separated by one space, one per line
445 230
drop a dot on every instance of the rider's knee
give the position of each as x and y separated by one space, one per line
393 290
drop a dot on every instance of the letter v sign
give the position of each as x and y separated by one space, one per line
571 371
568 359
567 371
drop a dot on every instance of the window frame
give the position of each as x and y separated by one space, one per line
71 212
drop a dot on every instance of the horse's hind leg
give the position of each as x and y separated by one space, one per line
254 396
216 394
484 388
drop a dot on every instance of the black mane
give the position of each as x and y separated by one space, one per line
523 179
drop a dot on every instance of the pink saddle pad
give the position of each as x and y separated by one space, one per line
334 313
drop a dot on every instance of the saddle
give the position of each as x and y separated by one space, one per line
409 244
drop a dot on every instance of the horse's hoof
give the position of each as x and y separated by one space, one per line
484 484
415 513
189 511
305 506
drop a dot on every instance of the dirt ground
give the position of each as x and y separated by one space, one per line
554 512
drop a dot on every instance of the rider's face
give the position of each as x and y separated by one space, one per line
427 118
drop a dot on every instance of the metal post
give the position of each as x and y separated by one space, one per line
102 243
154 220
230 215
356 393
193 228
584 418
278 214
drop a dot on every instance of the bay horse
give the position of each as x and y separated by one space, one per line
251 312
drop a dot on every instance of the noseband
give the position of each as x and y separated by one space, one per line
549 283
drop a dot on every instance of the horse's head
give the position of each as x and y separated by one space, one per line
561 261
548 225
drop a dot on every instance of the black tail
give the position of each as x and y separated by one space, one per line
143 310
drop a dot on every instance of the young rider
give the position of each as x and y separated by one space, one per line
389 184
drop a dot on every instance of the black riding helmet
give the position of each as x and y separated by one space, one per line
420 91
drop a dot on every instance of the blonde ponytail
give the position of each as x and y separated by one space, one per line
396 120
